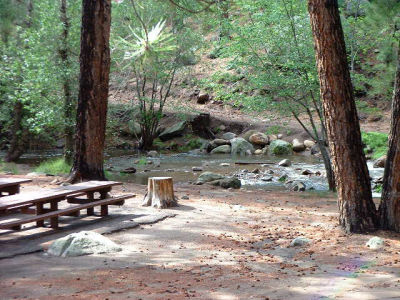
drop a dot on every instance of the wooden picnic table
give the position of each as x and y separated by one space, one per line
11 185
54 196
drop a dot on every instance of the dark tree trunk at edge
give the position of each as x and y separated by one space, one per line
93 91
390 204
356 208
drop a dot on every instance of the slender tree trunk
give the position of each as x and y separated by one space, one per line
356 208
93 91
69 106
390 205
19 134
17 144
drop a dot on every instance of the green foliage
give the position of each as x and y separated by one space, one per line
378 142
8 167
378 188
56 166
274 129
142 161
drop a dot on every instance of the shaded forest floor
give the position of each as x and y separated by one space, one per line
219 245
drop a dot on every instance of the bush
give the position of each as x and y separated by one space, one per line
377 141
56 166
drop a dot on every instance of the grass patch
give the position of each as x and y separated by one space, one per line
274 129
8 167
378 142
56 166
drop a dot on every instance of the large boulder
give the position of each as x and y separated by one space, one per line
134 128
220 142
224 149
173 131
380 162
228 136
298 146
241 146
208 177
280 147
309 143
248 134
230 182
259 139
82 243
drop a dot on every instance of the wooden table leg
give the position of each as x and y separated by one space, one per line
54 220
104 210
39 211
90 196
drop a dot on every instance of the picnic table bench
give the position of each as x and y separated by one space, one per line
11 185
33 202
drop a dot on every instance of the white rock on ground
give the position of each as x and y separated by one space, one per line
300 241
375 243
82 243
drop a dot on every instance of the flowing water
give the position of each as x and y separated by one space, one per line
261 172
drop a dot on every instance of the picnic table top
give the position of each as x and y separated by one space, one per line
48 194
6 181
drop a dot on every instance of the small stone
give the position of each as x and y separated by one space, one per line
185 197
307 172
152 153
130 170
224 164
197 169
380 162
256 171
285 163
266 178
228 136
279 136
300 241
258 152
375 243
308 143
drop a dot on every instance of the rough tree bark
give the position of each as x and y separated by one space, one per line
93 91
68 99
356 208
390 205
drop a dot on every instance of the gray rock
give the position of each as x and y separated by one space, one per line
298 146
35 174
185 197
220 142
285 163
380 162
308 143
231 182
273 137
297 186
228 136
82 243
306 172
134 128
256 171
173 131
375 243
197 169
224 164
279 147
248 134
208 177
279 136
300 241
258 152
221 149
152 153
241 146
266 178
259 138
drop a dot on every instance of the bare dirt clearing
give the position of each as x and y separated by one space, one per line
219 245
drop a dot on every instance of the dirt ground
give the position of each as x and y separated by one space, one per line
218 244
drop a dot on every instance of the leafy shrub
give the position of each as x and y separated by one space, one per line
377 142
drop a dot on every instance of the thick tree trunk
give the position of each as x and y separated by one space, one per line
93 91
390 204
356 208
69 105
160 193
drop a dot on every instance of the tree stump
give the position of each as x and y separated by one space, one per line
160 193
